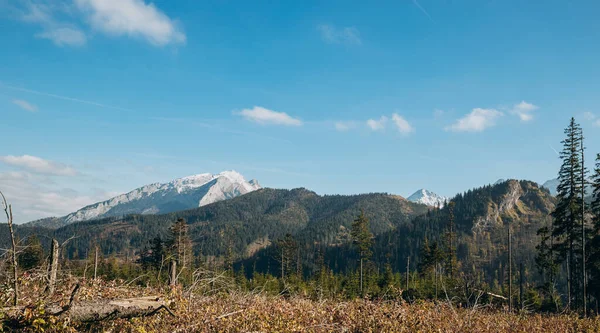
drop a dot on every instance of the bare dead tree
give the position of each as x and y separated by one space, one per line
173 271
9 216
53 269
54 263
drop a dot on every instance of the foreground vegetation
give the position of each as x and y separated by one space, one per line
199 309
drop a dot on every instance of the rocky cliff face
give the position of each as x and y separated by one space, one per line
515 200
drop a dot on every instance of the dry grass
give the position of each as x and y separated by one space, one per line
253 312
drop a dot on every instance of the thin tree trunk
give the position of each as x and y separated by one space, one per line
521 294
54 253
583 273
96 262
436 280
569 281
361 275
407 272
510 303
9 217
173 280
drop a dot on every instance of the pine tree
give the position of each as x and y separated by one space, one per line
567 229
286 254
595 207
32 255
363 239
180 245
451 261
544 259
157 253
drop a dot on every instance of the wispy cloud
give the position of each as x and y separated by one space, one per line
402 125
476 121
63 22
25 105
265 116
377 125
39 165
133 18
64 36
63 97
592 118
524 110
416 3
334 35
59 31
343 126
33 196
438 113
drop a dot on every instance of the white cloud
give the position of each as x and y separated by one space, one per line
61 21
35 196
377 125
334 35
402 125
25 105
524 110
64 36
265 116
438 113
476 121
592 118
133 18
39 165
343 126
589 116
60 32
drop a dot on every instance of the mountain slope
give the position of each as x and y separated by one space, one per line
180 194
428 198
247 223
482 217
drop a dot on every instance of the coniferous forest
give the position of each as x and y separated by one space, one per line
504 257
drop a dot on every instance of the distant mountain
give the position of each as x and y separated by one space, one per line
428 198
551 185
179 194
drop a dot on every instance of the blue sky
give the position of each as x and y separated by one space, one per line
98 97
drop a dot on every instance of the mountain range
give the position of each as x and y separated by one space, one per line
249 225
159 198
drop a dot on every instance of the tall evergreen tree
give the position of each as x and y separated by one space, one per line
180 244
567 215
451 261
595 207
286 254
363 239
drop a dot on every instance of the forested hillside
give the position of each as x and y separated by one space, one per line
481 220
240 226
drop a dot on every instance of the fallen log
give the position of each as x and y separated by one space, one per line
111 309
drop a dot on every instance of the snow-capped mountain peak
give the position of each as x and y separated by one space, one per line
179 194
428 198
